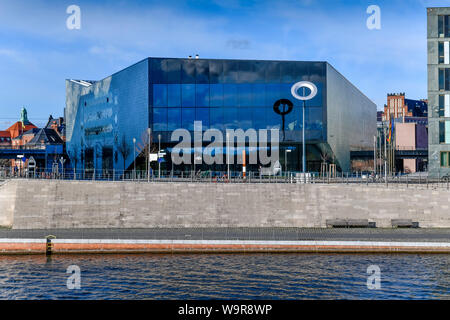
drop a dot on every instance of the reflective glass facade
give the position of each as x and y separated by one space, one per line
229 94
166 94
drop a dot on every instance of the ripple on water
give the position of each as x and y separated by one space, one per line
252 276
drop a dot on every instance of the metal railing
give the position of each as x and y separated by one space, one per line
403 180
26 147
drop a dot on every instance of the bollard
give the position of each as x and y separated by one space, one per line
49 245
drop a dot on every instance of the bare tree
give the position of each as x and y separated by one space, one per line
124 149
324 156
73 154
142 147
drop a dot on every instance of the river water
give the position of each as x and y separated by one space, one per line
250 276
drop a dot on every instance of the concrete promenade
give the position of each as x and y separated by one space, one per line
270 240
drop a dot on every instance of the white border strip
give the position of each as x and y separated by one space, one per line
238 242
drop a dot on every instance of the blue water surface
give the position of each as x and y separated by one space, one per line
228 276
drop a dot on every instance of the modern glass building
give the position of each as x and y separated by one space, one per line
165 94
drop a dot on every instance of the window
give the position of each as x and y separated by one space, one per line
259 118
202 114
273 120
441 106
188 71
173 119
444 79
216 118
272 94
216 91
188 117
230 118
258 95
441 52
160 119
444 132
230 95
443 26
160 95
202 71
245 95
445 163
174 95
244 121
202 95
188 95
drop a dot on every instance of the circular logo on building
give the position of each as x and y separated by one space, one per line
283 107
304 84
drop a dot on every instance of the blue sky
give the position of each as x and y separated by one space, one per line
38 52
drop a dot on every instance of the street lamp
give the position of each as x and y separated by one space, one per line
285 159
134 162
312 87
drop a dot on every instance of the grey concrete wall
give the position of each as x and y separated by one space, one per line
74 204
7 202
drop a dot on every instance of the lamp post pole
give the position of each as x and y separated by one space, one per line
374 156
385 155
159 151
303 134
228 158
285 159
134 162
148 153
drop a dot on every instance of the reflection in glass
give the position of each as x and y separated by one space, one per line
215 71
273 120
230 95
174 95
258 95
156 70
202 114
272 94
188 71
245 118
259 118
216 92
173 118
187 118
160 95
245 95
230 118
202 71
230 71
202 95
188 95
160 119
173 67
216 116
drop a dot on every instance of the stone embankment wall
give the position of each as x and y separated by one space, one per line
40 204
7 202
